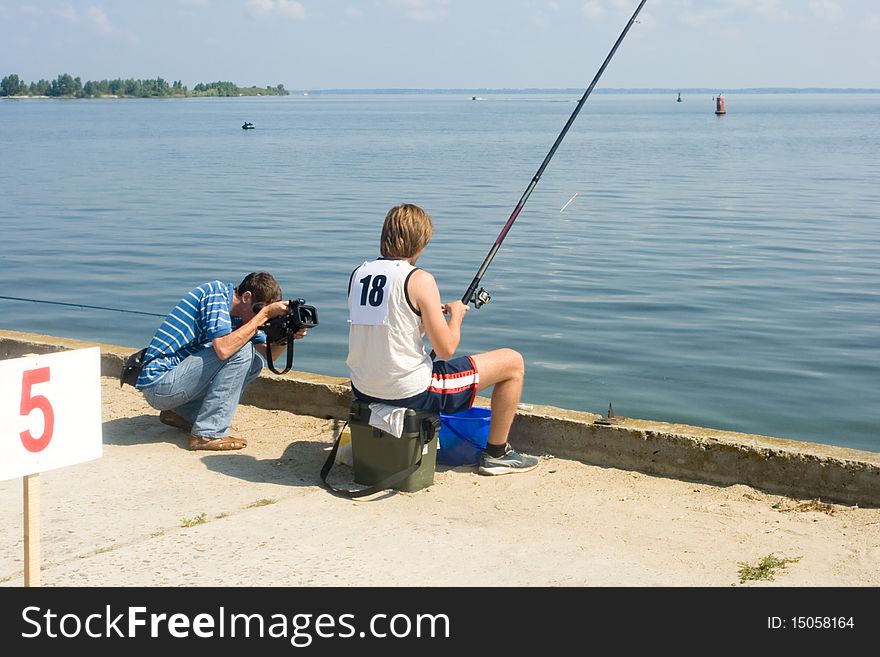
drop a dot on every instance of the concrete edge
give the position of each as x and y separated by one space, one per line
775 465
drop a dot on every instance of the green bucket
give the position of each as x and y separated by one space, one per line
377 455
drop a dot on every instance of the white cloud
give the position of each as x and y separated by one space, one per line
262 5
592 9
826 9
872 22
290 8
544 9
692 18
99 19
769 8
67 13
423 10
773 9
698 14
194 3
353 12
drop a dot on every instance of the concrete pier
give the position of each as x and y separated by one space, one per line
623 505
774 465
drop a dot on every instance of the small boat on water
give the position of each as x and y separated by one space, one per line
247 125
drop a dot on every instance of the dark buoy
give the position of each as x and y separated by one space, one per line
679 97
719 105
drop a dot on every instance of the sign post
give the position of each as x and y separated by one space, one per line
50 417
31 530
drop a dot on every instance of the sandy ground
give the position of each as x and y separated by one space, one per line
152 513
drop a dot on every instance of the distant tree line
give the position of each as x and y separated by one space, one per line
65 86
231 89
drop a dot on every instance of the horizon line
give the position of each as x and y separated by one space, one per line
597 90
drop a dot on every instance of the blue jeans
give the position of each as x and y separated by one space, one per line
206 390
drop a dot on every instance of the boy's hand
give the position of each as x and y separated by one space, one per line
456 310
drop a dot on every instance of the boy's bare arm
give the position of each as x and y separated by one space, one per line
444 335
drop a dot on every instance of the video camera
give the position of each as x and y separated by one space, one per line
281 329
299 316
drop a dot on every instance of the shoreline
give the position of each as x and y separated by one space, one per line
299 93
773 465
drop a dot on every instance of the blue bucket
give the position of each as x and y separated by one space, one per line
463 436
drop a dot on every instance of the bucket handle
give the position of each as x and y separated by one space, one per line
429 428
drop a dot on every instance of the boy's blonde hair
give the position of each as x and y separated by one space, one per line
406 231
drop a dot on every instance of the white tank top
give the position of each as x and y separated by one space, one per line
386 350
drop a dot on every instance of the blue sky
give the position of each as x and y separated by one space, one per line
329 44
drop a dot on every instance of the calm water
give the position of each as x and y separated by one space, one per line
722 272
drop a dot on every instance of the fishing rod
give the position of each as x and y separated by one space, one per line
82 305
478 298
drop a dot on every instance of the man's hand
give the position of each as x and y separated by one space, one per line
228 345
299 335
272 310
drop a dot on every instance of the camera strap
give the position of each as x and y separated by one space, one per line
289 362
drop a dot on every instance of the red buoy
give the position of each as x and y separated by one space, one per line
719 105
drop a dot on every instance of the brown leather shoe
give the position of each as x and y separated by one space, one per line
224 444
172 419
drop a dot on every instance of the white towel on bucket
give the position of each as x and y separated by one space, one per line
387 418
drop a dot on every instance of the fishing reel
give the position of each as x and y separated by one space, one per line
480 297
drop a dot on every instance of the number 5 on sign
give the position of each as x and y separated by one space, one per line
50 411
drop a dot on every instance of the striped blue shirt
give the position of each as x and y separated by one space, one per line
200 317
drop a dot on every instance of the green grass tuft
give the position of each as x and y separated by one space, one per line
266 501
765 569
200 519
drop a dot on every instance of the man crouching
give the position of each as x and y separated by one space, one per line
206 352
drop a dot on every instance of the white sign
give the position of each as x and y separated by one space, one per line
50 411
